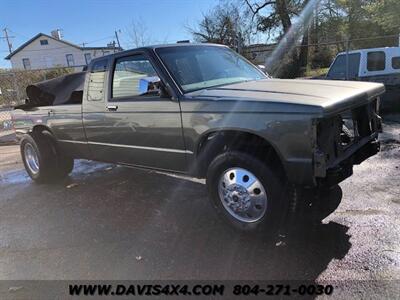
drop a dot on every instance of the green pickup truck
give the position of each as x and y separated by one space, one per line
205 111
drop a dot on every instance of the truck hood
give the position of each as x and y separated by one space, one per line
313 96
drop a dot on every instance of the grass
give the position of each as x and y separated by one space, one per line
316 72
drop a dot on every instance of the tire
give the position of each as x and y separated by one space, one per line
263 214
41 159
65 165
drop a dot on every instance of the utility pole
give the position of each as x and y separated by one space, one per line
347 57
8 39
116 36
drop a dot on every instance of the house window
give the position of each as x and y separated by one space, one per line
396 63
70 60
26 63
376 61
88 58
44 42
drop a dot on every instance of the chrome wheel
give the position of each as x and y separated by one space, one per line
242 195
31 158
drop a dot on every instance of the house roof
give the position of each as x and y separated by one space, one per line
61 41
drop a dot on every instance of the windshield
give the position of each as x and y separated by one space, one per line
199 67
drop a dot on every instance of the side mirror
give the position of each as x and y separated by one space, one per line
263 69
149 85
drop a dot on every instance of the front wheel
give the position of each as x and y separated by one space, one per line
246 192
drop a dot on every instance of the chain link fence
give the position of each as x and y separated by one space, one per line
13 85
14 82
7 134
283 62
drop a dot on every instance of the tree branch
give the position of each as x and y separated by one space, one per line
256 8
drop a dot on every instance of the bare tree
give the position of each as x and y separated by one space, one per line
276 16
270 15
225 25
138 34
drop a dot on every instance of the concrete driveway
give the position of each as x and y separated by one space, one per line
109 222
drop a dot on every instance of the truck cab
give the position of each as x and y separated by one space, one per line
381 65
365 64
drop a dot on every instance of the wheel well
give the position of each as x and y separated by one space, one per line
41 129
219 142
47 133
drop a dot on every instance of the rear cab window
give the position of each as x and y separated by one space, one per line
97 80
396 63
376 61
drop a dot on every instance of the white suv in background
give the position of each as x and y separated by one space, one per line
375 65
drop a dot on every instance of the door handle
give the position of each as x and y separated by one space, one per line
112 107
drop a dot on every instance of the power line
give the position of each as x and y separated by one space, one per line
16 33
101 39
62 47
56 48
90 42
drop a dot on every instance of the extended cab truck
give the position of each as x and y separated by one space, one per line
380 65
205 111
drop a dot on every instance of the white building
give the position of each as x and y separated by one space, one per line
258 53
44 51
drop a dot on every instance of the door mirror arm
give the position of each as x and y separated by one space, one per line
164 91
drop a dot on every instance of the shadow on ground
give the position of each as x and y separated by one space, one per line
107 222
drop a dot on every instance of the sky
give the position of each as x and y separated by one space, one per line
93 22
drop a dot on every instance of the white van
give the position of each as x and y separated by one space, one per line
375 65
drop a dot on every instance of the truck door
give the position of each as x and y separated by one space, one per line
344 67
137 126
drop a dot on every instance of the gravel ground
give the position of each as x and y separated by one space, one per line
110 222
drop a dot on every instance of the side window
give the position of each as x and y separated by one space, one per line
96 81
70 60
88 58
338 69
27 64
376 61
134 76
396 62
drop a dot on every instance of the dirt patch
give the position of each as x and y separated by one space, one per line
390 143
10 158
367 212
390 148
396 200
